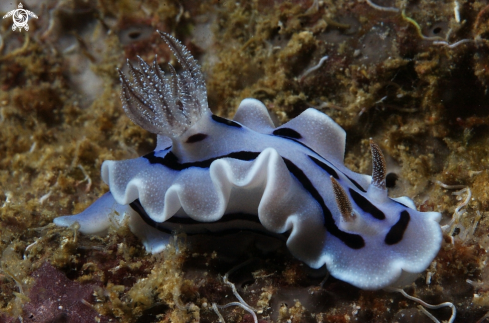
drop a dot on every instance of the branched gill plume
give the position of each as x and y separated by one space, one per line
165 105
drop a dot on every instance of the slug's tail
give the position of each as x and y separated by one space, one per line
165 105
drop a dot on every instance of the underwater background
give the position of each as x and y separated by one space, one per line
412 75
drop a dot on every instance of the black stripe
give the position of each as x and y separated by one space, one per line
196 138
287 132
187 223
227 122
407 207
136 206
396 233
171 161
300 143
312 150
225 218
328 169
356 184
353 241
366 206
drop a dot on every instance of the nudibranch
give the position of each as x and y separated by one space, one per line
211 174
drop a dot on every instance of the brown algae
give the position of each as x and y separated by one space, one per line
422 100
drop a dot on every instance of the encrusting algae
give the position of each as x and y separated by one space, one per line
415 80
